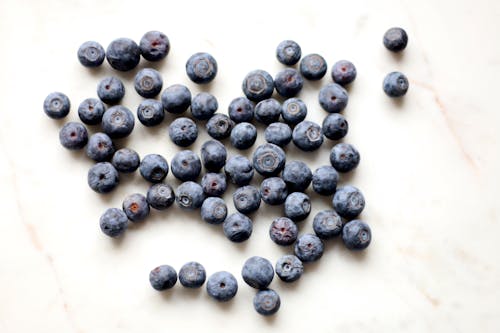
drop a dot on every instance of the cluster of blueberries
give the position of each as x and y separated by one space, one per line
284 182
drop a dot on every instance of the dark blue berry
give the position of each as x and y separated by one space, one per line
148 82
307 135
118 122
343 72
288 52
183 131
237 227
309 248
243 136
297 176
213 155
313 67
283 231
91 54
189 195
160 196
154 45
258 85
289 268
396 84
102 177
327 224
73 136
269 159
273 191
279 134
239 170
201 68
222 286
288 82
176 98
297 206
56 105
246 199
203 106
257 272
136 207
123 54
150 112
344 157
241 109
126 160
356 235
186 165
333 98
110 90
214 210
91 111
293 111
214 184
219 126
113 222
267 302
325 180
100 148
335 126
348 201
395 39
267 111
153 168
192 275
163 277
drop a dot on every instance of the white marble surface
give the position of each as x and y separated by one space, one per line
429 171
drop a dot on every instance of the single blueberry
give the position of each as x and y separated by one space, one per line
176 98
203 106
113 222
123 54
348 201
189 195
222 286
333 98
273 191
343 72
313 67
213 210
154 45
148 82
335 126
201 68
91 111
153 168
283 231
192 275
246 199
136 207
344 157
269 159
309 248
110 90
150 112
237 227
214 184
395 84
91 54
267 111
118 122
102 177
257 272
356 235
325 179
288 52
288 82
183 131
73 136
163 277
100 148
126 160
307 136
219 126
293 111
297 176
239 170
213 155
243 136
279 134
56 105
258 85
297 206
395 39
267 302
160 196
289 268
241 109
186 165
327 224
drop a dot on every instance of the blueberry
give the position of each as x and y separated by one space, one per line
113 222
258 85
219 126
154 168
213 210
313 67
356 235
91 54
100 148
201 68
289 268
343 72
246 199
110 90
288 82
73 136
267 302
163 277
293 111
279 134
297 176
214 184
154 45
396 84
344 157
183 131
239 170
118 122
136 207
186 165
283 231
288 52
395 39
123 54
309 248
257 272
273 191
268 111
213 155
241 109
203 106
176 98
327 224
148 82
150 112
192 275
102 177
333 98
160 196
297 206
56 105
269 160
91 111
243 136
348 201
325 180
126 160
189 195
335 126
222 286
307 135
237 227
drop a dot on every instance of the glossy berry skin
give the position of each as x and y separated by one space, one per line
189 195
176 99
297 206
289 268
160 196
148 82
73 136
343 72
267 111
214 210
183 131
136 207
273 191
266 302
297 176
344 157
307 136
257 272
348 201
201 68
293 111
150 112
395 39
102 177
309 248
100 148
214 184
126 160
213 155
56 105
279 134
258 85
192 275
91 111
333 98
288 52
219 126
237 227
241 109
154 45
239 170
324 180
163 277
327 224
313 67
123 54
91 54
243 136
246 199
335 126
110 90
153 168
222 286
186 165
395 84
113 222
356 235
288 82
118 122
269 160
203 106
283 231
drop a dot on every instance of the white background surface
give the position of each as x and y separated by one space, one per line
429 171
